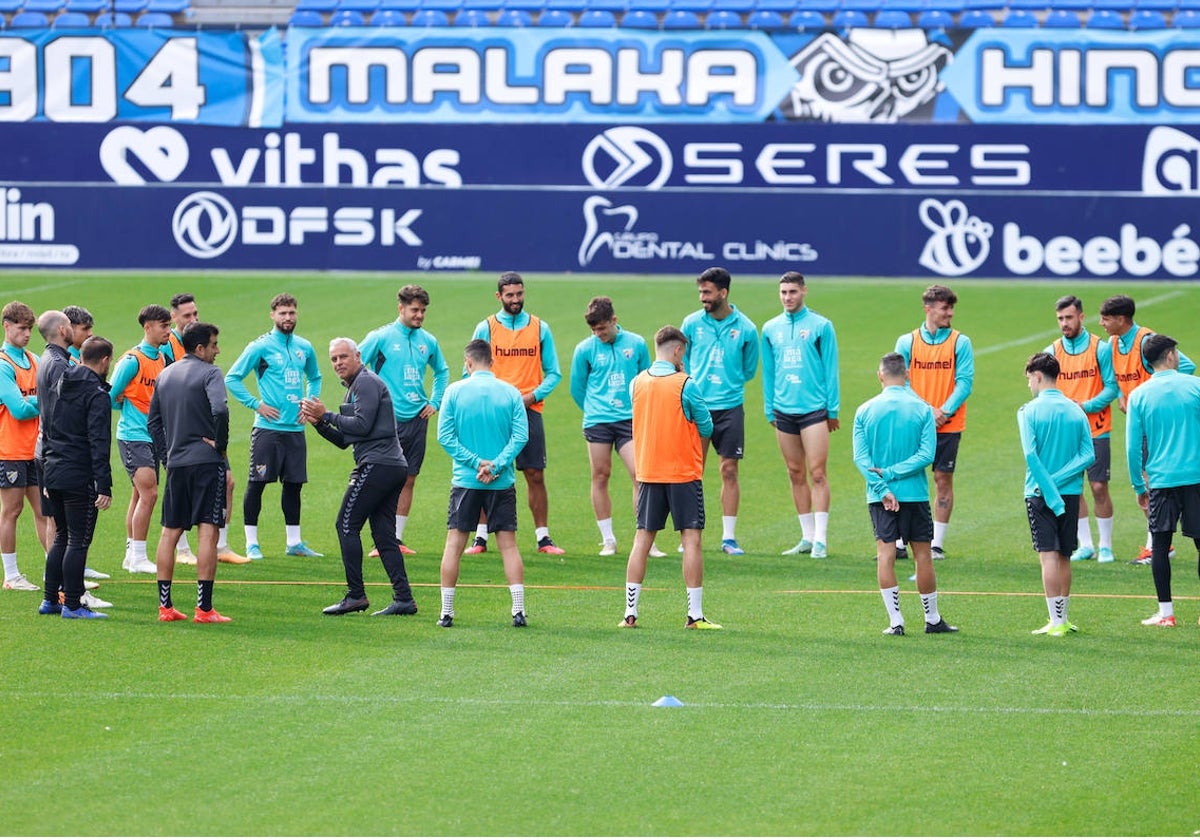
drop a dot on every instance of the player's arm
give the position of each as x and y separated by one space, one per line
214 388
749 350
123 373
312 372
235 379
829 359
369 350
441 375
768 377
551 372
924 455
1041 476
154 425
964 375
580 370
20 406
1133 443
862 458
1108 377
696 410
447 433
1186 365
516 440
99 434
1082 458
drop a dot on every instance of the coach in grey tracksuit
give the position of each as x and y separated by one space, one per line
189 424
367 422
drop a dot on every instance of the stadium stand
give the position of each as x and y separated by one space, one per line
639 19
597 19
892 19
71 20
347 17
681 19
556 17
849 19
722 19
154 20
806 19
29 20
110 20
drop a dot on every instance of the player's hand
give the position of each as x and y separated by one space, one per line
268 412
528 398
210 442
877 470
890 503
833 423
427 412
103 502
1121 403
940 418
1143 501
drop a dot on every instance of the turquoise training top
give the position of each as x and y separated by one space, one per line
895 432
482 419
800 364
722 356
1057 441
399 355
1166 410
131 422
602 373
281 362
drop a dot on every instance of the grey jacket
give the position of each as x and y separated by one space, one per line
366 421
188 406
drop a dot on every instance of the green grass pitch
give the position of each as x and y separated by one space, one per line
799 718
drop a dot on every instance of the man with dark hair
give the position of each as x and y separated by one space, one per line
671 428
895 439
721 356
76 444
483 426
183 312
802 396
18 440
82 325
941 371
400 353
523 355
1131 366
366 421
282 362
602 369
1086 377
1056 438
1164 413
133 381
189 422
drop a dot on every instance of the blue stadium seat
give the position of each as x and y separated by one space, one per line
347 17
389 17
1030 5
849 19
616 6
72 20
1186 19
309 18
806 19
486 5
113 20
784 7
446 6
870 7
827 7
9 6
597 19
1158 5
739 6
976 19
399 5
1122 6
680 19
954 7
1075 5
325 6
556 17
1146 19
935 19
764 19
1105 19
29 20
1019 19
154 20
725 19
46 7
429 17
473 18
130 7
892 19
698 6
513 17
655 6
1061 19
171 7
366 7
87 7
530 6
639 19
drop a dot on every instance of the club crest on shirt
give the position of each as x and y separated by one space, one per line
627 352
804 334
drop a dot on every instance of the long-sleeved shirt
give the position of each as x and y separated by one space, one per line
895 432
77 433
399 355
1104 366
551 372
283 363
189 405
964 364
482 419
695 407
721 355
366 421
1125 343
131 423
800 364
601 374
1056 439
19 406
1166 411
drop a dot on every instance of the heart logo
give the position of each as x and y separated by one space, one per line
161 150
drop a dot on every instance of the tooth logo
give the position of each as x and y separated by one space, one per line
593 238
1171 164
624 153
959 243
161 150
205 225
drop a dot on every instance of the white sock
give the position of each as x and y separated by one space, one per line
900 545
401 521
518 597
1058 609
128 548
695 599
182 545
251 534
806 526
541 533
939 533
821 526
929 603
891 600
138 547
448 600
481 532
1104 526
223 538
606 530
10 565
633 591
1166 608
1084 533
293 534
728 527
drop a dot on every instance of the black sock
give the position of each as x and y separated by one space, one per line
204 590
164 593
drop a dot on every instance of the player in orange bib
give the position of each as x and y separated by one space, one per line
941 370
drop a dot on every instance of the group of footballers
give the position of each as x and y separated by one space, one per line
915 423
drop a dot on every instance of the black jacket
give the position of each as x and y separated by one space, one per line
77 435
